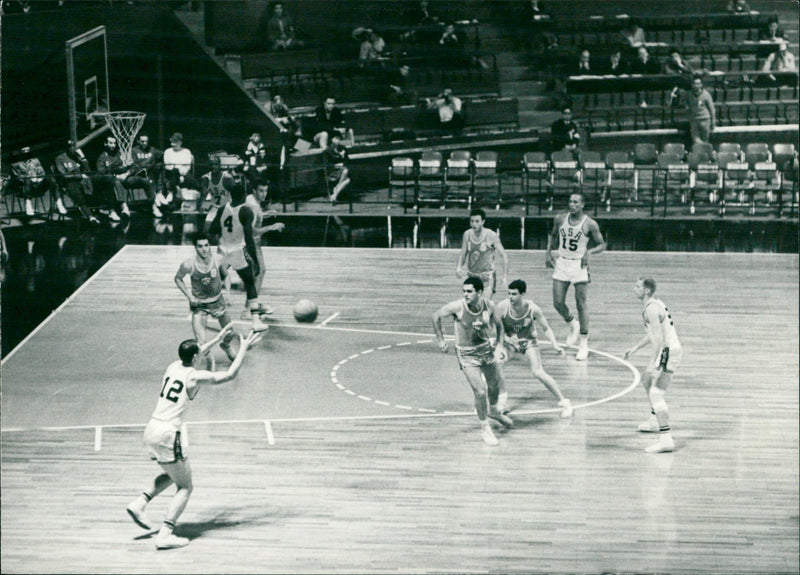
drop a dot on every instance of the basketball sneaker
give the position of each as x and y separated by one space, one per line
488 436
649 426
60 207
170 541
226 347
574 333
665 444
136 511
566 408
497 415
156 212
259 325
583 349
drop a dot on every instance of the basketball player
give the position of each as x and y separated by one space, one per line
476 321
520 317
234 224
162 436
570 237
206 297
666 358
478 247
255 200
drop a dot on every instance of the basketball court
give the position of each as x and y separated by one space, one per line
350 445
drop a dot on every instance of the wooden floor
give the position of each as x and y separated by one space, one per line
351 447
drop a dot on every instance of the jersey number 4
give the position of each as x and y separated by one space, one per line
174 391
571 244
228 223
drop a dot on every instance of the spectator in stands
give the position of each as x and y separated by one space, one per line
449 108
583 66
213 185
29 174
564 134
738 6
643 64
335 162
329 120
254 145
72 169
675 64
178 165
398 89
372 46
772 33
111 173
615 65
702 113
280 29
148 165
780 61
289 125
632 34
449 38
425 26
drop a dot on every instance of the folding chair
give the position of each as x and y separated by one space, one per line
622 179
674 149
403 180
707 179
677 178
736 180
730 147
430 179
458 177
566 175
486 180
766 181
645 156
757 153
594 176
537 178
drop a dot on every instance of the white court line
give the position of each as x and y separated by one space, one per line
63 304
98 438
268 428
330 318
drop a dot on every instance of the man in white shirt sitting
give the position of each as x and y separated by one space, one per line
178 164
449 106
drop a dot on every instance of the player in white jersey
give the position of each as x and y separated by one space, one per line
478 248
570 238
665 359
255 200
162 436
476 326
520 317
237 246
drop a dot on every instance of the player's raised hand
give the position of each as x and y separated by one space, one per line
628 352
252 339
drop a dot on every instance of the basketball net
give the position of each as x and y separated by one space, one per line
125 126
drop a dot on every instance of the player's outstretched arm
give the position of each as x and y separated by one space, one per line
206 347
218 377
539 317
639 345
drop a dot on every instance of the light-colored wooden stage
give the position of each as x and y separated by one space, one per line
351 447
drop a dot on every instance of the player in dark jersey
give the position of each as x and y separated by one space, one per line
205 294
476 327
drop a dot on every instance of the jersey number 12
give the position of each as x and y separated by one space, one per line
174 391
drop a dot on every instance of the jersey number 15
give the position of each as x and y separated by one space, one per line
571 245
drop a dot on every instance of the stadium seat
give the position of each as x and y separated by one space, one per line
766 182
403 179
736 180
622 179
674 149
430 179
594 176
707 179
675 178
756 153
726 147
566 177
486 181
458 177
645 157
782 153
537 178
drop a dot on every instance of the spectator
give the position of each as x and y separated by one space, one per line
335 162
287 123
111 173
449 108
372 46
449 38
178 164
147 168
329 120
583 66
564 133
643 64
772 33
214 186
781 60
738 6
632 34
425 27
31 177
675 64
615 65
702 113
251 156
280 29
72 169
398 90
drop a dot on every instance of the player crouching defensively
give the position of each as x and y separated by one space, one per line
520 317
666 358
162 436
475 323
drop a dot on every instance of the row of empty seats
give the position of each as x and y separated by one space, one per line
749 178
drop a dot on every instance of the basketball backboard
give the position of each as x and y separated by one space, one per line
87 84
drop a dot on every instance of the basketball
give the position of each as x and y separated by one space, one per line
305 311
